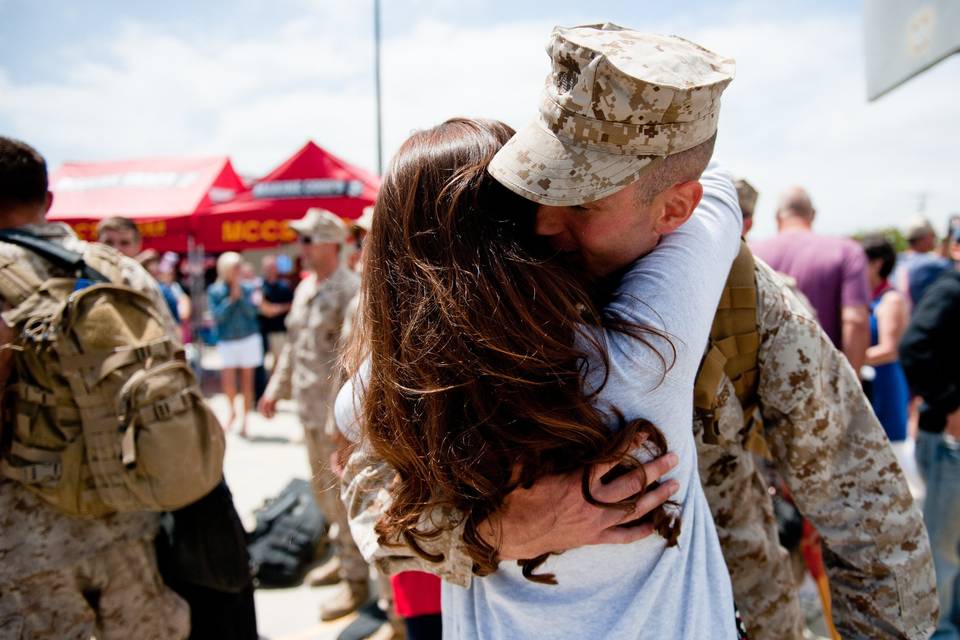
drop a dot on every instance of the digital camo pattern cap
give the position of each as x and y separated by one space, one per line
614 100
320 225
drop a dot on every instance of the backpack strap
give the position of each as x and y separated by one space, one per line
37 466
54 253
732 352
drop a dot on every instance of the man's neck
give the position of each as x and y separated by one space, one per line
794 223
21 217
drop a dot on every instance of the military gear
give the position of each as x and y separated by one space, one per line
732 352
104 413
614 101
289 530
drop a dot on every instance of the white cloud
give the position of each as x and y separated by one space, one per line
795 114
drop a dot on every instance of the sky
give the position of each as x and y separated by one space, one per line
110 80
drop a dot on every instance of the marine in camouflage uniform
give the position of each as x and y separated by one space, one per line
63 577
308 371
819 428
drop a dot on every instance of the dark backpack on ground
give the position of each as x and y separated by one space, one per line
289 529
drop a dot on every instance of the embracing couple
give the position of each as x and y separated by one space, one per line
536 309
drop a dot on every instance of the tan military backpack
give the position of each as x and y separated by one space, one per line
102 412
732 351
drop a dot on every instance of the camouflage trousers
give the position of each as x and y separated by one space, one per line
326 488
116 594
764 586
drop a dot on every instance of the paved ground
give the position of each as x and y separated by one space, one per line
257 469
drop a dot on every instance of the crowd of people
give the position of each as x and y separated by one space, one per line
549 382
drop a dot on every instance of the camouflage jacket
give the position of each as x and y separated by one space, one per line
307 369
35 537
834 456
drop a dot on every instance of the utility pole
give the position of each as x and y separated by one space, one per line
376 79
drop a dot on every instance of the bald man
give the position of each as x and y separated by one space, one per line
830 271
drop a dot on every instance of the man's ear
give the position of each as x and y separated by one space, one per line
677 205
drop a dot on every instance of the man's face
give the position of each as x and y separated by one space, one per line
269 267
603 236
318 255
124 241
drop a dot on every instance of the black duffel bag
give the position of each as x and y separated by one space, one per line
290 529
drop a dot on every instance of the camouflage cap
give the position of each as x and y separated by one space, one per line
614 100
320 225
747 196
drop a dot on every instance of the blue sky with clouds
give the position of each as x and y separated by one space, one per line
111 79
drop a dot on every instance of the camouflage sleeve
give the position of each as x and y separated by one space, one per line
837 462
280 384
365 492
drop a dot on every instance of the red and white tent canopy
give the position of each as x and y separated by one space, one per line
162 195
312 177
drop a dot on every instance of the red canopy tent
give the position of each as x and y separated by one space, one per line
161 195
312 177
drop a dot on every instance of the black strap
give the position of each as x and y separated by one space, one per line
53 252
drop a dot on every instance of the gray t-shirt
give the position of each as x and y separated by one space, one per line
644 589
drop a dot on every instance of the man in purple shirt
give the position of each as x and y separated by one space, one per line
830 271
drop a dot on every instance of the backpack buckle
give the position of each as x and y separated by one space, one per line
162 410
42 472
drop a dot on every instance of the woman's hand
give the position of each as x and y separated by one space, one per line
552 516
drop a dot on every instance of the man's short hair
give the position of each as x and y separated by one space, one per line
23 174
676 168
117 223
795 202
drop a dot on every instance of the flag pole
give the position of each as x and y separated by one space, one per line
376 77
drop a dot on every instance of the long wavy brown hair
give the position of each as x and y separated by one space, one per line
476 379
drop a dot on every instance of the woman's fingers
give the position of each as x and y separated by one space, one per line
633 481
648 502
601 470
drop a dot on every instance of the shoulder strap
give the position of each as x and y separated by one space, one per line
53 253
733 349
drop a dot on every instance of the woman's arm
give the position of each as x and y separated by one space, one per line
892 318
675 288
219 302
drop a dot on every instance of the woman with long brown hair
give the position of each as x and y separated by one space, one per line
487 365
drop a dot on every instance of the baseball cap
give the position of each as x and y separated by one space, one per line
614 100
320 225
918 227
